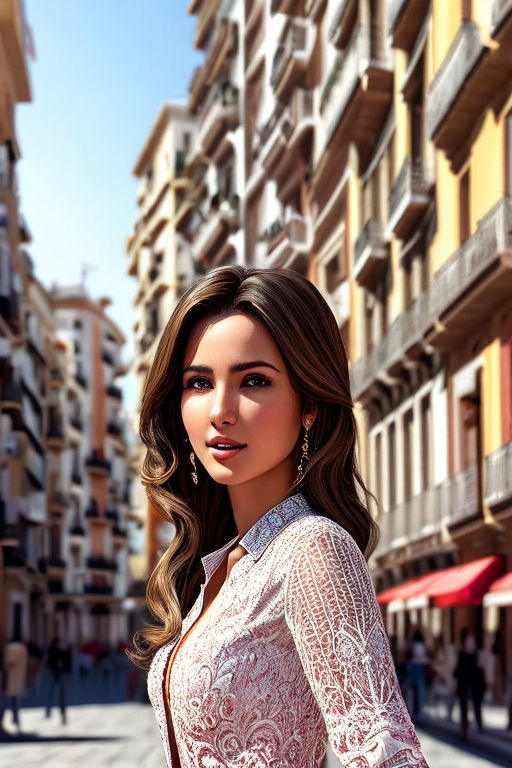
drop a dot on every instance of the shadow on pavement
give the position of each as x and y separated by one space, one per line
27 738
484 745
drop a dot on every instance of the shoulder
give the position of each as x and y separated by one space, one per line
314 531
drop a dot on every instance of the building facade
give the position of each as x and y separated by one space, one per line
161 260
371 150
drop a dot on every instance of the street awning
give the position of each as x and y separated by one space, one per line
465 584
459 585
500 592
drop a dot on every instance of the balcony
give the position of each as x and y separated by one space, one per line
211 244
356 97
76 421
289 7
97 464
413 520
58 502
410 196
56 378
77 530
292 56
35 467
498 478
80 378
501 17
108 356
219 115
76 477
476 279
464 84
100 563
114 427
54 437
403 341
343 23
460 502
287 128
405 18
371 253
114 392
10 396
206 19
289 244
99 589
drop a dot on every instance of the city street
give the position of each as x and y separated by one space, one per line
126 736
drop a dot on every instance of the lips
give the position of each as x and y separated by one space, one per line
223 448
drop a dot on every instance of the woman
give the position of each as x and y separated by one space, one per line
247 419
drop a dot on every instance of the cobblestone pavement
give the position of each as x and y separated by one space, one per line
126 736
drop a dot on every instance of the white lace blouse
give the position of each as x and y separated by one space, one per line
290 658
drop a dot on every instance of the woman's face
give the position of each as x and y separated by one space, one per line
239 408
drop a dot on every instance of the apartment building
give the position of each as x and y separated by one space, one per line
161 260
374 156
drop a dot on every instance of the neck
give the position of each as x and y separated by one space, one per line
252 500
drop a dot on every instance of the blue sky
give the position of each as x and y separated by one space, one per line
101 72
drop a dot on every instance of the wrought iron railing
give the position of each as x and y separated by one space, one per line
498 476
492 237
461 58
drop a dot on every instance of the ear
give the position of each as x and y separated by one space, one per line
309 414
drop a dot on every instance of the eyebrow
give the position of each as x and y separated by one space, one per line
233 368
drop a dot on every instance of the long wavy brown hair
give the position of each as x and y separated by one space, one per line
307 335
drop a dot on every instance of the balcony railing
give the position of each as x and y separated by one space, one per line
475 257
100 563
414 519
219 114
344 18
501 9
364 54
404 20
293 51
410 195
287 241
461 498
406 331
460 60
97 462
370 252
221 219
115 392
280 132
498 477
290 7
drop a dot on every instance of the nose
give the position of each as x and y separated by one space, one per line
223 410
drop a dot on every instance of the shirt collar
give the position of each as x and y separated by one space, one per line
263 532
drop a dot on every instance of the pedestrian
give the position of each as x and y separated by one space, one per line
470 680
15 667
58 663
282 655
417 668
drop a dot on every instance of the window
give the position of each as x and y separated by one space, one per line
425 416
408 453
392 464
464 221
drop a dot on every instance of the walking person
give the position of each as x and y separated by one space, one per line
269 647
15 667
417 668
58 664
470 681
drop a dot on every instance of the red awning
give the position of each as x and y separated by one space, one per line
503 584
459 585
465 584
407 589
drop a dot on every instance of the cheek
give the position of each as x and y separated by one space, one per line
192 412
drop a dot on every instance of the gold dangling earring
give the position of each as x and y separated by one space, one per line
193 474
305 453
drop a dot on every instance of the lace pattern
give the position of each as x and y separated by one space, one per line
292 653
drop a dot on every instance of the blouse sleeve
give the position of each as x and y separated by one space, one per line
332 613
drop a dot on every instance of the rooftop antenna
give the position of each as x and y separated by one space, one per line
86 268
